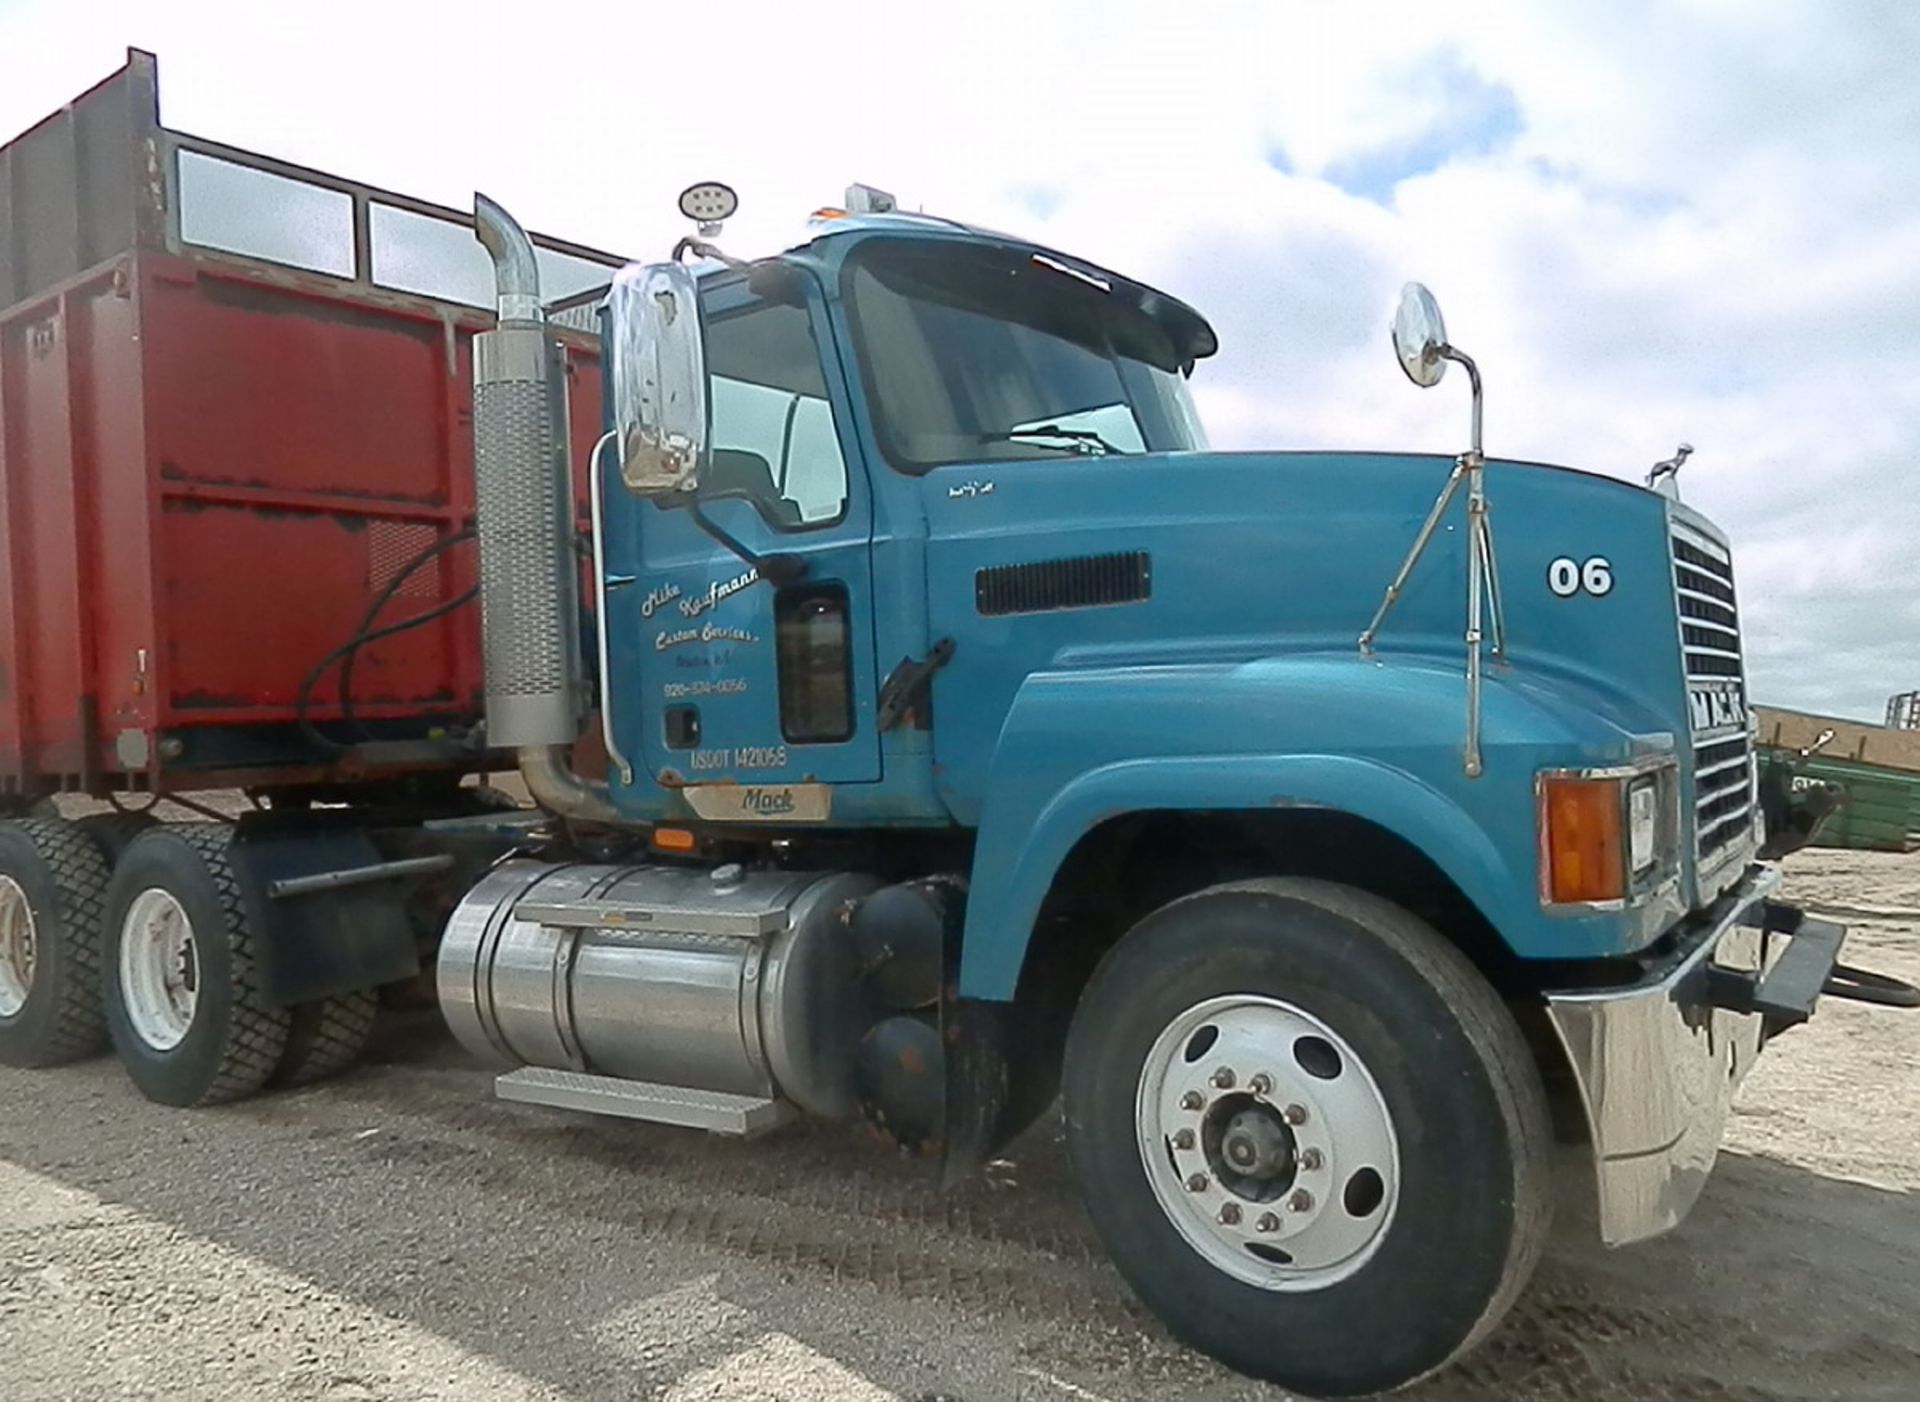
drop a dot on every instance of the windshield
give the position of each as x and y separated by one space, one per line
986 354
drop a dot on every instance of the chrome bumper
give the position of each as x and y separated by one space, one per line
1658 1061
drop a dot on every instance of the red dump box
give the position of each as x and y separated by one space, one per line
235 400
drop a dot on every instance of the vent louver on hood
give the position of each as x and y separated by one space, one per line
1085 581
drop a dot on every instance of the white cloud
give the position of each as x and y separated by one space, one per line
1697 219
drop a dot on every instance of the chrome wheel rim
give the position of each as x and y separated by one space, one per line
1267 1143
18 947
159 969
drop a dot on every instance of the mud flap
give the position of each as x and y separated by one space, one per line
1002 1072
330 942
975 1037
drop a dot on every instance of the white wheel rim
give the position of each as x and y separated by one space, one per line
1274 1090
159 969
17 947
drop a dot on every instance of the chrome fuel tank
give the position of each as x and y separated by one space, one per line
723 980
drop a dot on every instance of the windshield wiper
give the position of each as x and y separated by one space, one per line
1084 440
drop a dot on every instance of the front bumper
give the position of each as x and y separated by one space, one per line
1658 1061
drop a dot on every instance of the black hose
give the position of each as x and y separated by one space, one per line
386 594
366 633
1865 986
178 800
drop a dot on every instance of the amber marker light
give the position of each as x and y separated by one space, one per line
1581 856
674 840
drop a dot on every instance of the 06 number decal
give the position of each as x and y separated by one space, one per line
1567 577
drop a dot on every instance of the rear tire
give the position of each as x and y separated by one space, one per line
111 832
1380 1098
181 971
327 1036
52 887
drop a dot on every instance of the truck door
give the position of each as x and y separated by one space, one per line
745 680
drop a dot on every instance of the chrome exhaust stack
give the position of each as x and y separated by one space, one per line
529 578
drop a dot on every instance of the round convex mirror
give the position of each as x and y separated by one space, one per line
1419 335
709 202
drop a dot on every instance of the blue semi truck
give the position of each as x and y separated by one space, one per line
928 726
1034 747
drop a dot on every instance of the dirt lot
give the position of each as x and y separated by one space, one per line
400 1235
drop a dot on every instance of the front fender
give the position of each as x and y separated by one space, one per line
1379 742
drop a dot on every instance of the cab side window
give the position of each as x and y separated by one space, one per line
773 435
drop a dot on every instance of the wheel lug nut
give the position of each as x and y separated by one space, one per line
1296 1114
1311 1159
1300 1200
1267 1223
1223 1078
1261 1084
1230 1214
1197 1183
1183 1139
1192 1100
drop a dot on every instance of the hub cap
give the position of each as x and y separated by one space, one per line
1267 1143
16 947
159 969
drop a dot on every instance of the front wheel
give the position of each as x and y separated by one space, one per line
1311 1135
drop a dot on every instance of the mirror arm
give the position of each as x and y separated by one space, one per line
778 568
1483 573
1461 358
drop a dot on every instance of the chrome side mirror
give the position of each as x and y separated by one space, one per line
659 373
1420 336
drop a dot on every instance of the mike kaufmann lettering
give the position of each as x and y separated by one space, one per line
705 633
658 599
716 591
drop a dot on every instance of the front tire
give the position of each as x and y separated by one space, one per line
181 971
1311 1135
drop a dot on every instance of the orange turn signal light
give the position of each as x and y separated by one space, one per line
1582 856
674 840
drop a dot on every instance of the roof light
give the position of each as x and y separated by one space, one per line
864 199
709 204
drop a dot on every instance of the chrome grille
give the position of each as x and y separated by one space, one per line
1716 693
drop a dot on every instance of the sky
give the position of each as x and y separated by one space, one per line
1695 220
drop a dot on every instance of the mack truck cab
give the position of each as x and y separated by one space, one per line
987 736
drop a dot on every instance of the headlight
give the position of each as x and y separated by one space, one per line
1606 835
1643 824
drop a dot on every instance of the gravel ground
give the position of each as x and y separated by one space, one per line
400 1235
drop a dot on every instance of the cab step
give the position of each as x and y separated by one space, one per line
717 1111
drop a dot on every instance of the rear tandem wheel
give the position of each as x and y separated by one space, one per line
52 884
182 978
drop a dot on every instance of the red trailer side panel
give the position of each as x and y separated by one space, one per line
303 452
212 464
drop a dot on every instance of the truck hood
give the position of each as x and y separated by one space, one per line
1234 556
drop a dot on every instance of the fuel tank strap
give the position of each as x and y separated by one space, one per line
600 915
